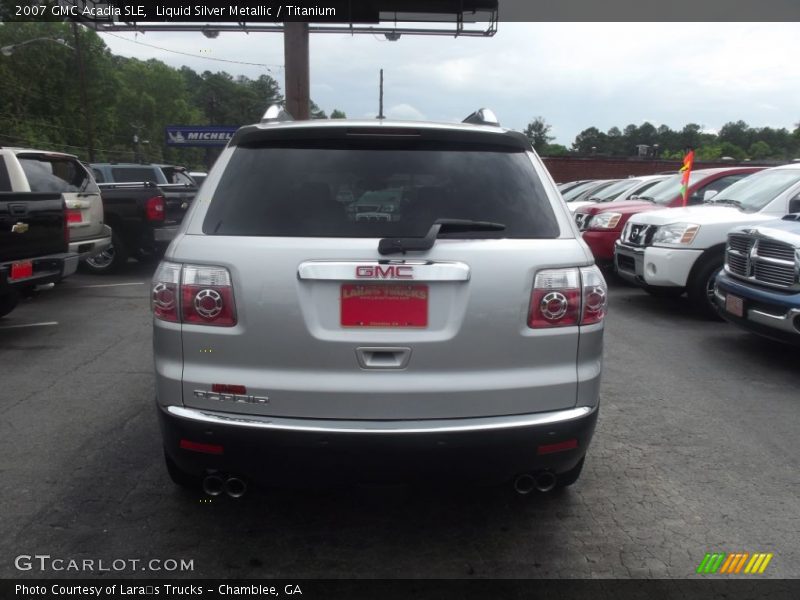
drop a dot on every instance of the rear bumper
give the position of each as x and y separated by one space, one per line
273 450
772 314
46 269
164 234
87 248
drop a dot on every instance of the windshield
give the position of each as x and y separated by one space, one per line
753 193
597 188
614 190
576 191
666 191
378 189
134 174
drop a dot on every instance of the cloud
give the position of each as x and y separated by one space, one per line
404 112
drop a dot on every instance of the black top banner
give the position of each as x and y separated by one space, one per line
383 11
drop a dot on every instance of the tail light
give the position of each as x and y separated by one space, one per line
154 208
197 294
564 297
74 215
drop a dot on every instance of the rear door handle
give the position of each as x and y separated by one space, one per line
383 357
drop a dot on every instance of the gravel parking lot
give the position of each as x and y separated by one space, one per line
696 451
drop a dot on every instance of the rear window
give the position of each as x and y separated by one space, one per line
54 174
378 190
134 174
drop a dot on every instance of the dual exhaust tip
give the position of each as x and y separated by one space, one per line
216 485
543 481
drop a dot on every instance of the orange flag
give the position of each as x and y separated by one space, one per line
686 169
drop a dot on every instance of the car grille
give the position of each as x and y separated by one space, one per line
639 234
762 260
582 220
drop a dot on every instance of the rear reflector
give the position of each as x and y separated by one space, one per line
559 447
74 215
200 447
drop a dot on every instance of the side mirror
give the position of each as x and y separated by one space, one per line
709 194
794 205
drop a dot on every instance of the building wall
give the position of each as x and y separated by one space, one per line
572 168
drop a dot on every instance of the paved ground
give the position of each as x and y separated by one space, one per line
696 450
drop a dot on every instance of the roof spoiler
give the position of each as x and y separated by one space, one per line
482 116
276 113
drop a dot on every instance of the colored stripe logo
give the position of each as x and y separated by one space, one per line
735 563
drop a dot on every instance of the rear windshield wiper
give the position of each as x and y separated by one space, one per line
420 244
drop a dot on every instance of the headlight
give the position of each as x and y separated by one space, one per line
606 220
676 233
388 208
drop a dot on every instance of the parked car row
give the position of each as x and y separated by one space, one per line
54 217
668 249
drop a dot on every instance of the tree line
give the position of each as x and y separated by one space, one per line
125 104
735 139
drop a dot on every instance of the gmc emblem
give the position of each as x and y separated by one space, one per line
385 272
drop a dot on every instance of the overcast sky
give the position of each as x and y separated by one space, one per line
575 75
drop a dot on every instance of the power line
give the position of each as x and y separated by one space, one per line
224 60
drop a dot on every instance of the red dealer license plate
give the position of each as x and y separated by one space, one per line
384 305
21 270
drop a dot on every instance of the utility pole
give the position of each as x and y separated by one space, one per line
380 98
87 109
295 58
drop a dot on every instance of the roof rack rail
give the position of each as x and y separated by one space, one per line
482 116
276 113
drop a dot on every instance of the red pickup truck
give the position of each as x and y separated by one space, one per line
601 224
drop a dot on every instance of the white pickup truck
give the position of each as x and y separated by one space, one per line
43 171
676 250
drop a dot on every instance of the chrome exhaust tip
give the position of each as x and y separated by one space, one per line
213 485
546 481
524 484
235 487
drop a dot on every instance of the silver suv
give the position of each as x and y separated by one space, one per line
453 329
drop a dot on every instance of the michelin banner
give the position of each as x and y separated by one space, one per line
179 135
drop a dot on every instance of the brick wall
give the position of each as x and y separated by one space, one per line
571 168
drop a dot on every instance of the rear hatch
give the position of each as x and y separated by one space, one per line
66 175
31 225
329 327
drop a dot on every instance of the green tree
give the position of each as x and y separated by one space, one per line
759 150
538 132
338 114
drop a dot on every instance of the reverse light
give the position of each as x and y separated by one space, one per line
165 292
595 295
607 220
676 233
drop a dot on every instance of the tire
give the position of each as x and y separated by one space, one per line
110 260
701 285
571 476
8 302
179 477
664 292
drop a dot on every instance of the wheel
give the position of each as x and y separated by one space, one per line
110 260
701 285
663 291
179 477
571 476
8 302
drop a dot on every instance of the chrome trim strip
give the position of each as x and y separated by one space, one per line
380 427
420 270
165 234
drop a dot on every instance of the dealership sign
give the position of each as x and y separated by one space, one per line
179 135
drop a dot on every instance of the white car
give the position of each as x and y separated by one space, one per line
676 250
